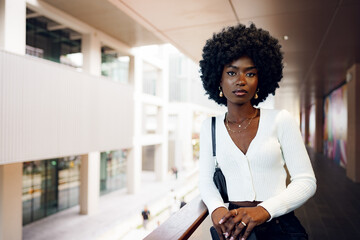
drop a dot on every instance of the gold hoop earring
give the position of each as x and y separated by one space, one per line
256 96
221 93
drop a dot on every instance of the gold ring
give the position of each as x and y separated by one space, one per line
243 223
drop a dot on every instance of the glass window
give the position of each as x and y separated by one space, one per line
112 171
69 181
178 78
27 191
148 158
38 196
151 118
49 186
63 185
51 44
74 180
114 66
151 76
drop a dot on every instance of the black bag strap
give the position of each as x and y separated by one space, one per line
213 121
213 139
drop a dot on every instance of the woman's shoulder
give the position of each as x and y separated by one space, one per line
206 124
275 113
278 116
207 121
218 117
282 118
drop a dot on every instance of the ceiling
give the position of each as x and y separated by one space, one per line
323 35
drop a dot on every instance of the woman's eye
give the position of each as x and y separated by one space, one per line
250 74
231 73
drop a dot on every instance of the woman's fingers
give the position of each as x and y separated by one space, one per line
245 222
229 221
238 229
243 230
216 217
220 233
248 230
224 232
229 215
240 222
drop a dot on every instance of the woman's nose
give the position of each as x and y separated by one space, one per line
241 80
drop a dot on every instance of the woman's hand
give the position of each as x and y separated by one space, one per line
236 220
216 216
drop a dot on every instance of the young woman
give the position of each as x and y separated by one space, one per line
241 66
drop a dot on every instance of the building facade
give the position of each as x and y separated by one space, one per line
83 114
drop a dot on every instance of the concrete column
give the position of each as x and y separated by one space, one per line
131 70
319 125
160 159
160 162
307 123
11 201
91 50
13 26
133 176
302 123
162 150
12 39
183 137
187 149
90 163
353 132
188 83
90 183
134 164
178 149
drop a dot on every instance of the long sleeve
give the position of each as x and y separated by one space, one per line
209 193
303 182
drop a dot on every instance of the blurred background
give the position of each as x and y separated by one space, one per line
101 105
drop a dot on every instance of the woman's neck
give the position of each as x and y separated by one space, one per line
237 113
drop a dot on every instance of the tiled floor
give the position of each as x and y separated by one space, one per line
334 211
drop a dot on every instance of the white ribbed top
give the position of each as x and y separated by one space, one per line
259 174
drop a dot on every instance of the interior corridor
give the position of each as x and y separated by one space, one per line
333 212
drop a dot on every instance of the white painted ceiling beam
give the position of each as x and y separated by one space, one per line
55 26
32 15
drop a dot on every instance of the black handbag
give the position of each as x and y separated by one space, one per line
219 178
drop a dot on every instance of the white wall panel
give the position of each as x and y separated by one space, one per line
50 110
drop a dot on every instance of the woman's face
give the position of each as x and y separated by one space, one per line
239 81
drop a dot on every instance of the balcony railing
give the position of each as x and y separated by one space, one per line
182 224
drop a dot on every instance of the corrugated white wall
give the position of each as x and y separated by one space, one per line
49 110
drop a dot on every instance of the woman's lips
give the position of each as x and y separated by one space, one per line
240 92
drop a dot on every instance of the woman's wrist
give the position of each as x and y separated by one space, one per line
265 213
217 214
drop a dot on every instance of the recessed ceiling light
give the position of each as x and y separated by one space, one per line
286 37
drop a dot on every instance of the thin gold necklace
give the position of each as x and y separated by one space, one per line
227 123
239 124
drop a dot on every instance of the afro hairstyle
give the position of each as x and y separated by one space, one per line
234 42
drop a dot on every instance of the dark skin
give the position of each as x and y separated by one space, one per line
239 83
